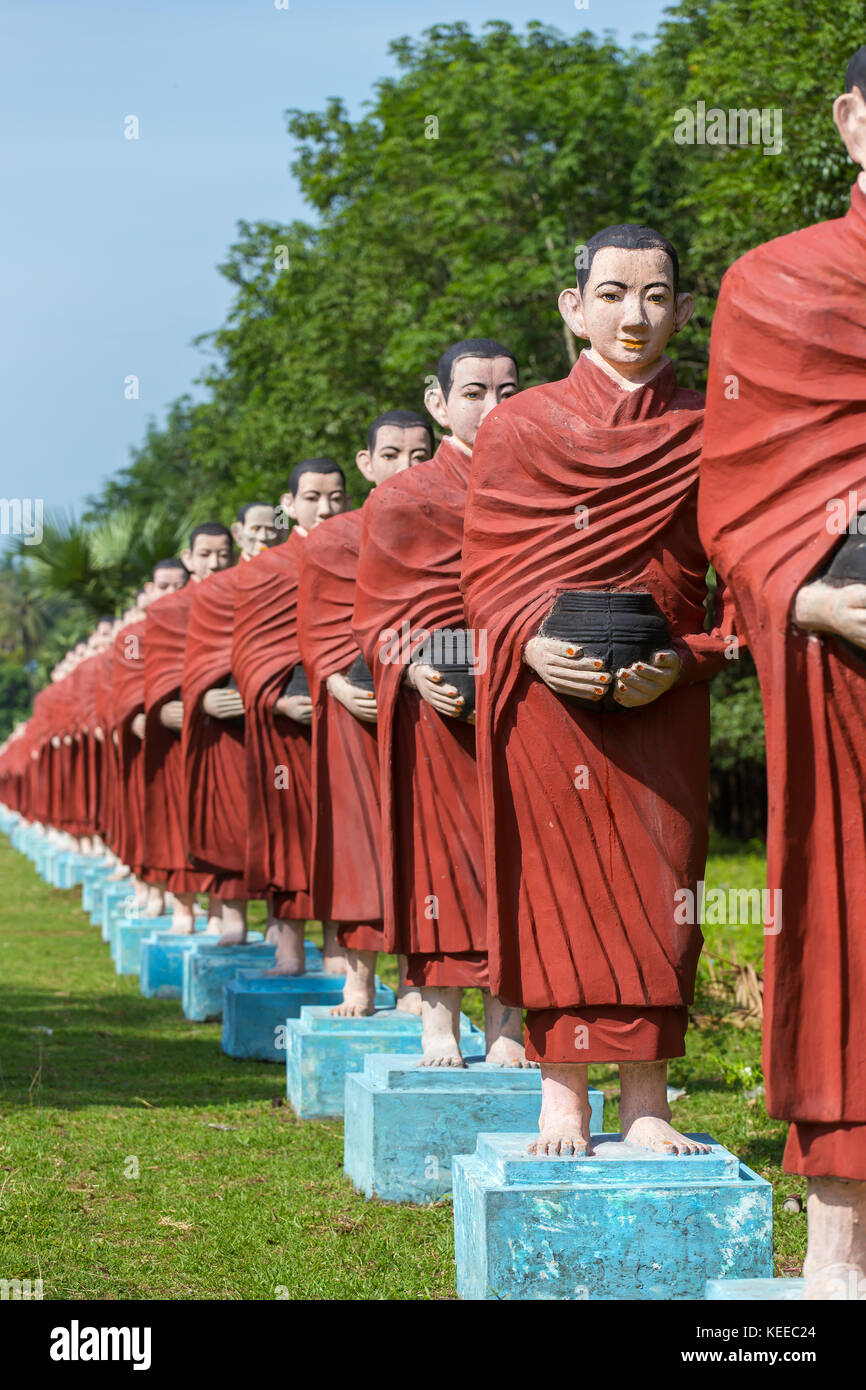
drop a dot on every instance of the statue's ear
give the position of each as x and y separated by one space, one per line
685 307
186 557
365 464
436 405
237 531
287 502
571 309
849 113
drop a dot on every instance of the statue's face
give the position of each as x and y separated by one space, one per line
168 581
627 309
396 449
256 532
319 496
478 384
208 555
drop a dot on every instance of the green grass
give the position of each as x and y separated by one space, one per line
260 1210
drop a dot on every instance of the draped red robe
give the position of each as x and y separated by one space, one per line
128 698
432 851
166 629
214 764
785 437
277 800
345 876
582 878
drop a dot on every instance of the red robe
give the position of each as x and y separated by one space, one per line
166 628
432 850
128 697
345 876
213 749
582 878
790 337
277 795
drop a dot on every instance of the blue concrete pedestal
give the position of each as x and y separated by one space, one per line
755 1290
623 1223
94 874
321 1050
208 968
160 974
258 1008
128 938
405 1123
113 897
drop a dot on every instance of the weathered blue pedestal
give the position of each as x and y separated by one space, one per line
405 1123
128 938
322 1050
160 974
69 869
93 874
755 1290
208 968
623 1223
46 857
258 1008
117 896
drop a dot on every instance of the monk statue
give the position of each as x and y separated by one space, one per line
266 662
410 626
782 501
346 885
210 551
213 728
583 566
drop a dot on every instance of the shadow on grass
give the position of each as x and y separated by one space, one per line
118 1049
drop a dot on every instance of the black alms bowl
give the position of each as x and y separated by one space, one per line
618 627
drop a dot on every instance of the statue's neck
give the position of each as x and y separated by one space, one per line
626 382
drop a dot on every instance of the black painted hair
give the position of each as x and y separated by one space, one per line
321 465
855 73
173 563
404 420
210 528
104 619
631 237
242 511
468 347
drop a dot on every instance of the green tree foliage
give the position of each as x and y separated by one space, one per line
15 696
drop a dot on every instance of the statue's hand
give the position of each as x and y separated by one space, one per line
432 687
67 739
137 725
99 733
297 707
644 681
842 611
222 703
171 715
115 738
55 740
361 703
566 670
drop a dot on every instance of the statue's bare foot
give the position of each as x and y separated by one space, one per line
214 926
182 926
353 1008
563 1127
409 1002
287 968
442 1059
235 936
505 1052
650 1132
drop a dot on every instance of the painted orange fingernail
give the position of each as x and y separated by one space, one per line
599 692
572 651
597 665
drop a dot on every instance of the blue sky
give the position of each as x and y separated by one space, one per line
109 246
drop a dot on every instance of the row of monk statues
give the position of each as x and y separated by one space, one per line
467 723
